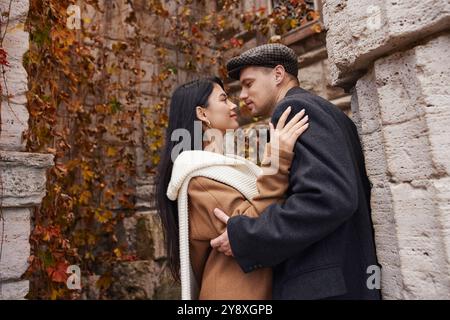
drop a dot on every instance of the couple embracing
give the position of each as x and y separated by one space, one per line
236 230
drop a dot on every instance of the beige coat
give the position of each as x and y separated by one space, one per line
220 276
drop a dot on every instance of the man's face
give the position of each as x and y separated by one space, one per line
259 90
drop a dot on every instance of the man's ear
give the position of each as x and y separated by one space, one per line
280 74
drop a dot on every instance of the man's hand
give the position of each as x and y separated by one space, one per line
221 243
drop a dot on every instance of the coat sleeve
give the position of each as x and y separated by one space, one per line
322 195
206 194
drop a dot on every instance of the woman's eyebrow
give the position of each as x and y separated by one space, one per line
223 95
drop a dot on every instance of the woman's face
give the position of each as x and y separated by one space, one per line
221 112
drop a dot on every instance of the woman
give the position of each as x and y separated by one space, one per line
206 179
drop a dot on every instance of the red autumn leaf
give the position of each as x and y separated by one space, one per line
58 273
236 42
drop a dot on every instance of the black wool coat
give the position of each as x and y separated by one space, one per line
320 241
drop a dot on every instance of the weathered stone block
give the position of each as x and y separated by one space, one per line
441 190
433 75
143 280
398 90
382 206
135 280
19 10
312 78
422 253
365 105
16 247
16 44
14 123
359 32
144 196
375 156
391 283
149 236
14 290
407 151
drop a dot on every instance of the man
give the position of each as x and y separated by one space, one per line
320 241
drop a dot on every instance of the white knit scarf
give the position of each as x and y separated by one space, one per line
232 170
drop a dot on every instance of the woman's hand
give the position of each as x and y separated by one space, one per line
284 135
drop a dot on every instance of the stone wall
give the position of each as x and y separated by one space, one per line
395 56
22 174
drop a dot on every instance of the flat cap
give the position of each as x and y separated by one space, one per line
267 55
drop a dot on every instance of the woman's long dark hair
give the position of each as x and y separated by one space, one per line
182 114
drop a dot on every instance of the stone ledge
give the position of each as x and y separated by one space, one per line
26 159
23 177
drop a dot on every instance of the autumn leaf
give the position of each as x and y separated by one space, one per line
104 282
85 197
87 173
314 15
89 256
118 252
293 23
316 28
161 52
103 216
58 273
46 236
56 293
119 46
111 152
115 105
109 194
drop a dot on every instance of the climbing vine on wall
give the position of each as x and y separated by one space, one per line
84 113
76 114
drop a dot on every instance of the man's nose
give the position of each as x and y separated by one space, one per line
243 95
